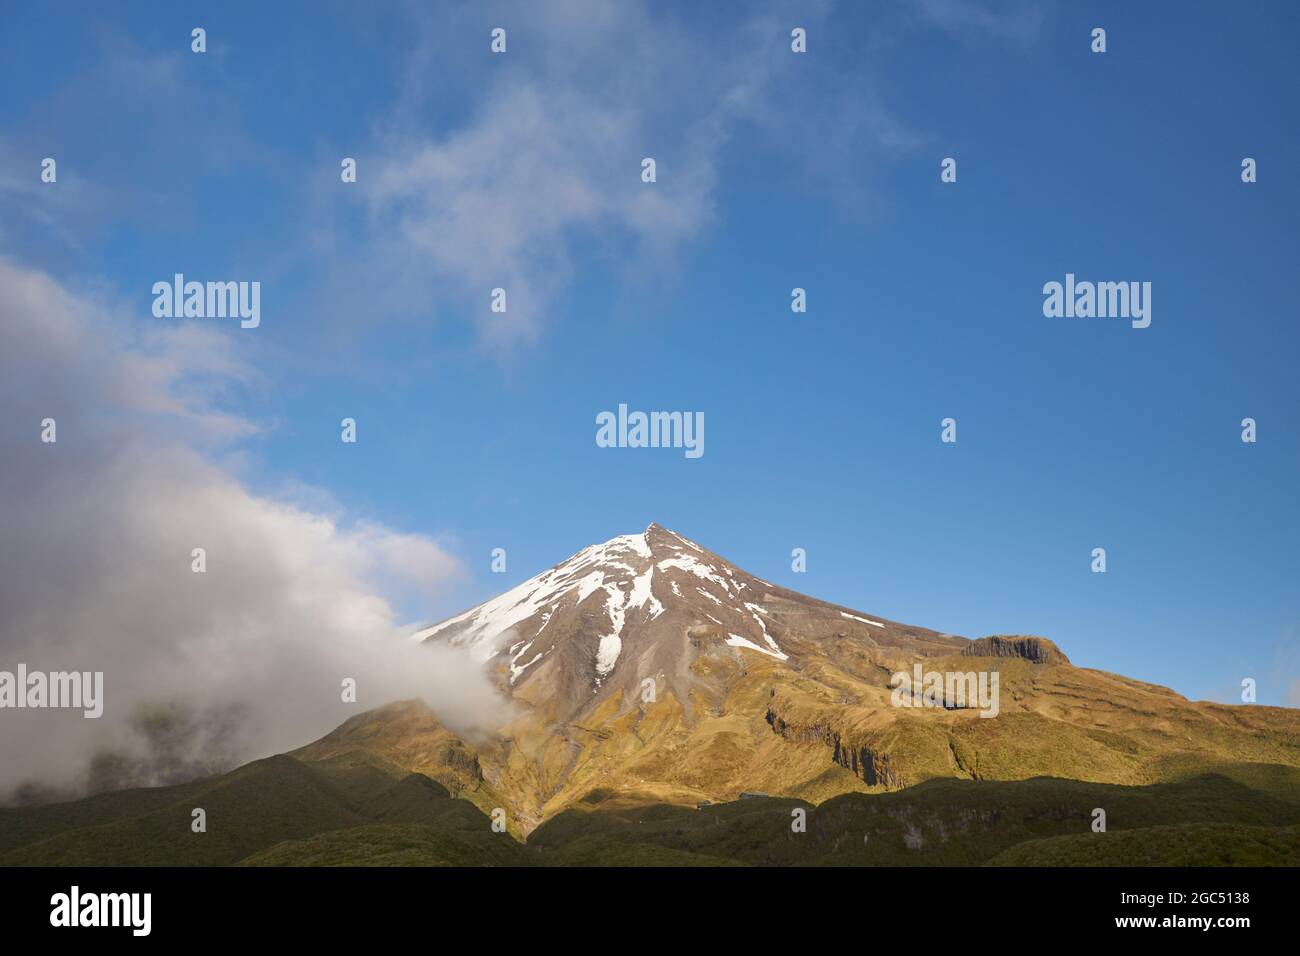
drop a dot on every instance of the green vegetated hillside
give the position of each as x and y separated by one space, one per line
283 811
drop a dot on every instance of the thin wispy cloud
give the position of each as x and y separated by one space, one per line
1017 21
549 157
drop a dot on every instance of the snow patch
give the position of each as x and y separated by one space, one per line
735 640
634 542
755 611
515 672
864 620
611 645
642 594
589 583
697 568
686 541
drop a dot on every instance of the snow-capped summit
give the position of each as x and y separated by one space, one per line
648 670
617 576
645 606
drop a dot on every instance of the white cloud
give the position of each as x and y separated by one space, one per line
97 532
548 158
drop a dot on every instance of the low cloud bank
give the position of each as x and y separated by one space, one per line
97 531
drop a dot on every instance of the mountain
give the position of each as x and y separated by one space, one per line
668 708
646 607
649 670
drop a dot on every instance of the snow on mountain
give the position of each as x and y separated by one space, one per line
622 568
643 605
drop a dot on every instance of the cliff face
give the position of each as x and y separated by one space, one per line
1036 650
874 768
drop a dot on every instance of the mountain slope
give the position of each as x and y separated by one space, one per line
353 815
246 810
1043 821
652 683
264 813
648 669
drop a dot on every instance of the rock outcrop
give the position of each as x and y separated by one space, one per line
1036 650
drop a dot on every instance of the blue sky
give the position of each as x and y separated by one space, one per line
775 170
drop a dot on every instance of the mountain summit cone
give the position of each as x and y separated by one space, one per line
648 669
